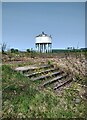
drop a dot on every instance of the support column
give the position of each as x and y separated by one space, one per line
47 47
43 47
50 47
39 47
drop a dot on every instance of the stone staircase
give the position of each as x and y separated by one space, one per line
47 75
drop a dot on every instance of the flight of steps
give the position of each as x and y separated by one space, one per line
47 75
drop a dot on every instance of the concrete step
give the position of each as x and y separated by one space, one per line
32 67
63 83
46 76
54 80
41 72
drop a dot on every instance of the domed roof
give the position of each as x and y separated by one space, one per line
43 34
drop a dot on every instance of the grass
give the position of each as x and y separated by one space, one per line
23 99
81 79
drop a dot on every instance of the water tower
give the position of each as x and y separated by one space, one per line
43 43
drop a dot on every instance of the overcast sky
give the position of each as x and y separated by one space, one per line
64 21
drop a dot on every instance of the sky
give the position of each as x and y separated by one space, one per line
64 21
44 0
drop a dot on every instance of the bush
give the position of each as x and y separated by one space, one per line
49 62
28 50
14 50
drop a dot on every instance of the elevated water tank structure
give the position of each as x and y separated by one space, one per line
43 43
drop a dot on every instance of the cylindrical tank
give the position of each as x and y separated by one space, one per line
43 39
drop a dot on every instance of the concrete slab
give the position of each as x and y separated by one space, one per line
25 68
30 67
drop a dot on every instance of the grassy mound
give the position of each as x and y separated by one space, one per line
21 98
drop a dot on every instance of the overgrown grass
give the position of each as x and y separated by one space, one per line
23 99
81 79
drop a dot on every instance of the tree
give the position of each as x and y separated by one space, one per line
3 47
28 50
14 50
